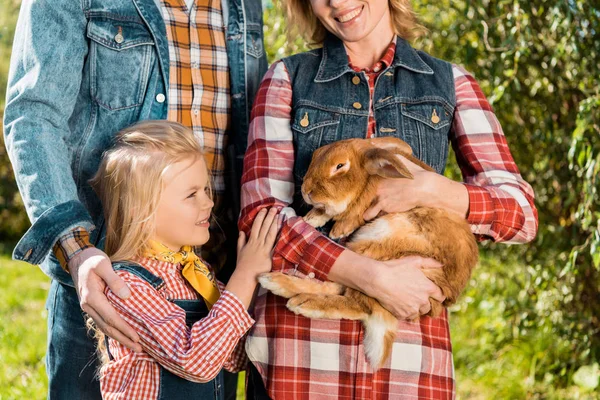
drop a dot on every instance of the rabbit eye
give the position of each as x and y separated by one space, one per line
339 166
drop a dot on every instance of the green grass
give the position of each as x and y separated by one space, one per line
23 290
492 360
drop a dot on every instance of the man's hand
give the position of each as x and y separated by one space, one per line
402 288
92 271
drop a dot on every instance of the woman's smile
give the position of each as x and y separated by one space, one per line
348 16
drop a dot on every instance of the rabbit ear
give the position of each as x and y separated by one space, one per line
392 144
385 164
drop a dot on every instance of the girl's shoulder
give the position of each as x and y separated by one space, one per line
136 271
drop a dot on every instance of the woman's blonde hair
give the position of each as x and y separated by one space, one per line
301 18
129 181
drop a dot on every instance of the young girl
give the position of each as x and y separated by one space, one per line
155 192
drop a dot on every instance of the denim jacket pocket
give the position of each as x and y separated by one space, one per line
428 122
254 41
120 57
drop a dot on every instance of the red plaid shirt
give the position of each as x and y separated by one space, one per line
300 358
372 74
196 354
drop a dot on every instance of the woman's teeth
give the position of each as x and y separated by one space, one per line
349 16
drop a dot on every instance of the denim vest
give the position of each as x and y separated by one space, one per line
413 89
173 387
74 82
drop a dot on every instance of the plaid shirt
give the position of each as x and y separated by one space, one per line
199 95
301 358
196 354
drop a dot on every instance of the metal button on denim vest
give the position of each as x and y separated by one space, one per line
173 387
66 102
414 100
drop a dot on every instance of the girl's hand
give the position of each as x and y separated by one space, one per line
255 254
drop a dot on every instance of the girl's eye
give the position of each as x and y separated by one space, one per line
192 195
339 166
207 190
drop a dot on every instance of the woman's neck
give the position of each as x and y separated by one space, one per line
369 50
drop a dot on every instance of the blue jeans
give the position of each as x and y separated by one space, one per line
71 361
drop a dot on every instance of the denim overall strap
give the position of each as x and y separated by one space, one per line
173 387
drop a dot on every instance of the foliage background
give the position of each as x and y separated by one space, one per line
528 326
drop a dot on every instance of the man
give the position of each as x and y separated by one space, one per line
83 70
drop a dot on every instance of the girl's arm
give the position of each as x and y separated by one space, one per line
196 354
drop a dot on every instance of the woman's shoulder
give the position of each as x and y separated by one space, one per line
304 59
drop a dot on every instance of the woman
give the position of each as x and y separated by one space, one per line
368 81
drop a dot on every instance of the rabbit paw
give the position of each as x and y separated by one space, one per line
316 218
340 231
306 305
278 283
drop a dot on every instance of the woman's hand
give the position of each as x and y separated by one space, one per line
254 255
402 288
426 189
399 285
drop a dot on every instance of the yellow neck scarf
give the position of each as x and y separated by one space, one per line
194 271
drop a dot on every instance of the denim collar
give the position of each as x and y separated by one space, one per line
335 60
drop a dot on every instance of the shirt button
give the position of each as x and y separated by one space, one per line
196 111
311 275
356 80
357 105
377 69
160 98
195 65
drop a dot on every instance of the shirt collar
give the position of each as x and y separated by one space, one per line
335 60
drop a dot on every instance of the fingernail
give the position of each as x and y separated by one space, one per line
124 293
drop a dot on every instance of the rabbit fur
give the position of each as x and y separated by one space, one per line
341 184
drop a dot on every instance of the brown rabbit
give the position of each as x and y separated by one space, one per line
340 184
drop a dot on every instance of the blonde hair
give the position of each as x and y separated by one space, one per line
302 19
129 181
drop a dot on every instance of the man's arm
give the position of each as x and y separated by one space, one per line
44 80
50 48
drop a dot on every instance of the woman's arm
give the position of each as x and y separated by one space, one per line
501 203
268 179
196 354
494 198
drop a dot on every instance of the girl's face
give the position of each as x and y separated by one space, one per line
183 213
354 20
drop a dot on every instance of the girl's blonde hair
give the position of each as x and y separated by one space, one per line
129 181
300 16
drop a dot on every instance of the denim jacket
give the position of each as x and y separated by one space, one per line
73 84
407 95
